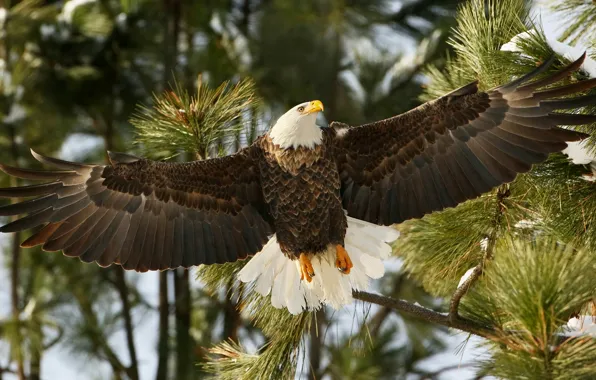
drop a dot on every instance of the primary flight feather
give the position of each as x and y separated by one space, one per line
309 203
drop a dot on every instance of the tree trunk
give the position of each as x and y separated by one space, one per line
14 270
316 344
184 342
164 313
172 13
16 347
336 84
244 20
15 267
170 50
123 291
232 319
121 285
35 356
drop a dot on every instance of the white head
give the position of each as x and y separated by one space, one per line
297 127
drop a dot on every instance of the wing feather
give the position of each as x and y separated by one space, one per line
457 147
141 214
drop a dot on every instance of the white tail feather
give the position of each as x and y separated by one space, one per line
274 273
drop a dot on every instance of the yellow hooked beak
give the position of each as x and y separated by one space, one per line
314 106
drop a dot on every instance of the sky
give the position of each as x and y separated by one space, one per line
59 363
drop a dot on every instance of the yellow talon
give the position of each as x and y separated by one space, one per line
306 270
343 261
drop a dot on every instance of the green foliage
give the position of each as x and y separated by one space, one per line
92 20
179 122
482 28
530 289
565 209
540 271
279 356
438 251
579 16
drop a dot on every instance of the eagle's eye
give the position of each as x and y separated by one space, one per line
301 108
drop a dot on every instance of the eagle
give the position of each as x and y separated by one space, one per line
310 206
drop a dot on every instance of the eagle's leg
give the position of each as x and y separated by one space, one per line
306 270
343 261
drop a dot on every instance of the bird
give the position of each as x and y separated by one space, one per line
309 209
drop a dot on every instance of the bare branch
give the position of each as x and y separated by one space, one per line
459 323
427 314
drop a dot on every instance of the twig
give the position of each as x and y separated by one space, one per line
461 290
427 314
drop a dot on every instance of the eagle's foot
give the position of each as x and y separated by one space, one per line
306 270
343 261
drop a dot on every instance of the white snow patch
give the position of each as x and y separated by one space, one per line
527 223
578 153
465 276
570 52
583 326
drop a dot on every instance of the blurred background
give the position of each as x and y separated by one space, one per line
73 73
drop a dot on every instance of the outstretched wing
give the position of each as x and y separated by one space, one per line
456 147
142 214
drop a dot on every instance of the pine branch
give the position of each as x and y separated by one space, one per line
181 122
461 290
460 323
580 17
427 315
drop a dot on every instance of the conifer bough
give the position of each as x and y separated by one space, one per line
310 203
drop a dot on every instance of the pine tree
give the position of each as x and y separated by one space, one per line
529 242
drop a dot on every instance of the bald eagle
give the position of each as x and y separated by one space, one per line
310 205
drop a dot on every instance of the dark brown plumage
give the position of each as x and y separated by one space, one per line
148 215
456 147
142 214
302 189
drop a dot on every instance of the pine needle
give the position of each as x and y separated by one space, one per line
532 288
179 122
579 16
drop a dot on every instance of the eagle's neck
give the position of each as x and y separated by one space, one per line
304 135
292 160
